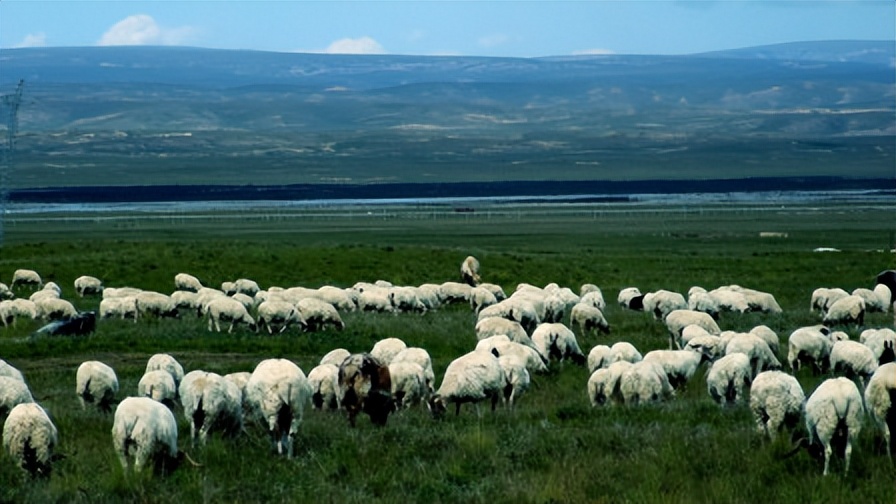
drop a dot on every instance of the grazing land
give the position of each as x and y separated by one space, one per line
553 448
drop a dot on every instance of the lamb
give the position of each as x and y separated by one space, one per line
159 386
679 365
588 318
186 282
776 400
12 393
167 363
228 310
558 341
155 304
30 437
278 315
472 377
319 315
834 414
25 277
756 349
408 384
365 385
12 310
480 298
335 356
728 377
847 310
386 349
211 402
631 298
662 302
420 357
880 397
500 345
677 320
469 271
810 344
853 359
603 384
516 378
88 286
120 307
324 382
279 390
96 383
147 430
645 382
7 369
55 309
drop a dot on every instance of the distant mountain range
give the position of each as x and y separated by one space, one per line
179 115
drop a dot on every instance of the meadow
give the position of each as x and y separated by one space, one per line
553 448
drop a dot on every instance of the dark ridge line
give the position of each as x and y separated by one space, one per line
299 192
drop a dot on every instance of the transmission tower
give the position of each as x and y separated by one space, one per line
11 101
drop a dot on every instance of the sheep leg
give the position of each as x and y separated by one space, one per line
827 457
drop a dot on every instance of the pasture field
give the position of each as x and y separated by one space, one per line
553 448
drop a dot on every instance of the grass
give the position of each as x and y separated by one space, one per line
553 448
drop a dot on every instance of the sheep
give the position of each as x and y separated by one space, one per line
186 282
700 300
728 377
776 401
823 297
588 318
679 365
408 384
428 294
245 286
846 310
404 300
853 359
603 383
495 289
769 336
247 301
758 300
88 286
240 379
480 298
96 383
278 315
558 341
644 382
880 396
12 393
5 293
593 298
756 349
335 356
495 325
729 300
210 402
500 346
55 309
374 300
120 307
882 343
834 415
115 292
690 332
585 288
29 437
454 292
883 294
600 356
810 344
469 271
516 378
12 310
319 314
386 349
873 302
156 304
472 377
7 369
888 279
521 309
278 390
204 296
421 357
663 302
159 386
147 430
631 298
25 277
228 288
625 351
228 310
167 363
365 385
710 346
324 382
677 320
339 298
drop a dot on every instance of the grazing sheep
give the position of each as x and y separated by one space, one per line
516 378
677 320
386 349
155 304
756 349
245 286
631 298
374 300
5 293
147 430
88 286
758 300
846 310
365 385
185 300
710 346
420 357
335 357
408 384
557 341
13 392
278 390
776 400
278 315
7 369
495 289
593 298
324 382
599 357
880 398
834 414
480 298
339 298
888 279
884 295
873 302
645 382
770 337
404 299
211 402
96 383
319 315
679 365
186 282
730 300
120 307
55 309
625 351
26 277
588 318
882 343
824 297
500 346
428 294
853 359
472 377
12 310
159 386
228 310
728 377
700 300
454 292
469 271
29 437
494 326
663 302
603 384
167 363
809 344
114 292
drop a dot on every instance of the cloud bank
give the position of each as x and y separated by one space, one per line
361 45
142 29
33 40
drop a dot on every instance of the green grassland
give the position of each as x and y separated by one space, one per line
553 448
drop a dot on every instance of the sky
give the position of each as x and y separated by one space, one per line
504 28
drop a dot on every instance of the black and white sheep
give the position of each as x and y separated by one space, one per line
880 399
278 391
472 377
408 384
810 344
469 271
29 437
631 298
324 382
86 285
557 341
210 403
96 383
13 392
588 318
776 401
365 386
882 343
887 278
844 311
645 382
834 414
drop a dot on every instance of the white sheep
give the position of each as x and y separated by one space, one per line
812 345
873 302
88 286
339 298
854 360
428 294
374 300
769 336
631 298
454 292
335 356
758 300
247 301
480 298
516 378
29 437
885 295
846 310
168 363
119 307
662 302
728 377
155 304
729 300
679 365
12 309
96 383
113 292
278 315
625 351
645 382
319 314
600 356
245 286
469 271
882 343
834 407
279 390
823 297
408 384
7 369
495 289
55 308
710 346
13 392
603 384
472 377
500 345
494 326
690 332
776 401
557 341
677 320
420 357
403 299
146 430
186 282
211 402
756 349
225 309
588 318
25 277
879 399
324 382
159 386
386 349
5 293
700 300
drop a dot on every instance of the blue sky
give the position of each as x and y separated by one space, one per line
483 28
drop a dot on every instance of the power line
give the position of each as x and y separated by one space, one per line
12 102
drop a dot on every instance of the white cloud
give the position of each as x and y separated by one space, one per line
593 52
493 40
33 40
142 29
361 45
